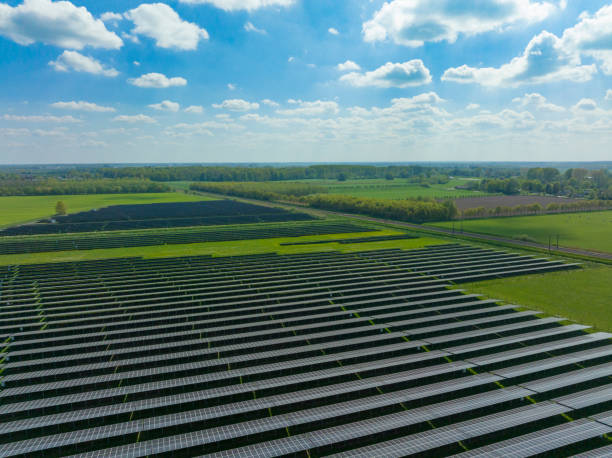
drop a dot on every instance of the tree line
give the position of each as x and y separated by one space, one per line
535 209
262 191
52 186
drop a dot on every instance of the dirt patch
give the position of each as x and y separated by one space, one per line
464 203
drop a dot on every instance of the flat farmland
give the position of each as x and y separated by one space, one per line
582 295
395 189
464 203
589 231
22 209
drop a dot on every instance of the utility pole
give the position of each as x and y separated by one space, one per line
557 241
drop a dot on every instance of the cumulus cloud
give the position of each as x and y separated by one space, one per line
166 105
37 118
412 23
231 86
592 36
347 66
82 106
249 27
135 118
75 61
111 17
270 103
537 101
316 108
588 105
472 106
161 23
55 23
333 31
235 5
544 60
157 80
196 109
237 105
402 75
608 97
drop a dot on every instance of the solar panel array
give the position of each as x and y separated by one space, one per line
159 215
14 245
362 354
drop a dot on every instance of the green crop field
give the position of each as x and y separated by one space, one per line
395 189
581 295
233 248
22 209
589 231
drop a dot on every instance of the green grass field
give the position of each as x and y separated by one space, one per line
584 295
233 248
395 189
22 209
589 231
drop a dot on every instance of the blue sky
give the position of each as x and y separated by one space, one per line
305 80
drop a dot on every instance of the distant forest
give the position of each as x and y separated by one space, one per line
509 180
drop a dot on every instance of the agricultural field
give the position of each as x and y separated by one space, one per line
464 203
23 209
589 231
583 295
398 188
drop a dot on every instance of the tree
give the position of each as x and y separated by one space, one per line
60 208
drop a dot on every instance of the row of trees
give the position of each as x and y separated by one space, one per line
536 209
51 186
415 211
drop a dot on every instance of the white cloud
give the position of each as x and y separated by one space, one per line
592 36
157 80
196 109
291 59
235 5
161 23
472 106
537 101
72 60
166 105
349 65
270 103
135 118
608 97
402 75
333 31
136 63
231 86
413 22
55 23
544 60
249 27
111 17
36 118
585 105
82 106
237 105
316 108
